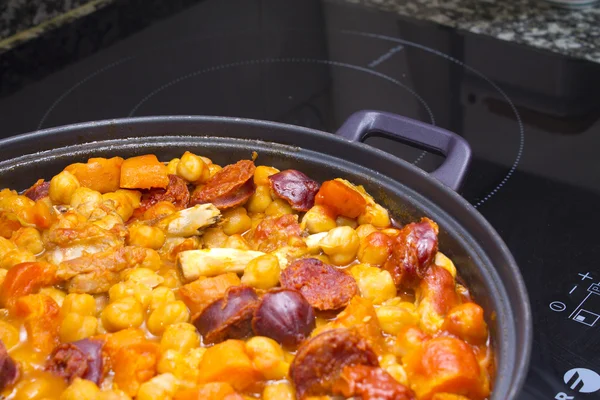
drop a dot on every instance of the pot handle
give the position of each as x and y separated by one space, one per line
362 124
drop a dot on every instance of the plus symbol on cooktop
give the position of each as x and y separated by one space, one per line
586 276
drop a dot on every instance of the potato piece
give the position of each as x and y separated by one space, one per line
100 174
143 172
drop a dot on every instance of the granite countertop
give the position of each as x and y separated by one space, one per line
572 32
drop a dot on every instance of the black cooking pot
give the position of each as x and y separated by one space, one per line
483 260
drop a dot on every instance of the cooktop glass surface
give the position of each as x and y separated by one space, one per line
531 118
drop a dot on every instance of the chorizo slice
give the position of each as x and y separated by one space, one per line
68 362
296 188
413 252
370 383
9 371
230 317
320 361
325 287
80 359
236 198
176 193
38 191
225 182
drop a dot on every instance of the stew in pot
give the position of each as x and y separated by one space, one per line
140 279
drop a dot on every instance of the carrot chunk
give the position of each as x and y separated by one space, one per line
143 172
342 199
100 174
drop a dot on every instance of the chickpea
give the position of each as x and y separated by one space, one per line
268 357
55 294
365 230
390 364
159 210
143 276
62 187
214 237
112 395
318 219
375 249
341 245
165 315
391 232
262 272
260 199
82 304
172 362
278 208
82 196
9 334
394 317
15 257
129 289
374 284
160 295
76 327
152 260
171 278
6 246
146 236
192 168
160 387
124 201
376 215
262 174
279 391
181 337
28 238
44 387
123 313
236 221
345 221
172 166
442 261
213 169
194 356
81 389
236 242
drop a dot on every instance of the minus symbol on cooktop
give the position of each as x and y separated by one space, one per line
572 290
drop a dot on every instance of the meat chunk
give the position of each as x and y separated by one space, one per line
320 361
325 287
370 383
97 272
9 370
413 252
229 317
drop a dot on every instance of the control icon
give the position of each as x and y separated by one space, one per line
582 380
582 315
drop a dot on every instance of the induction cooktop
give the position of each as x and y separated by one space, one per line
532 119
